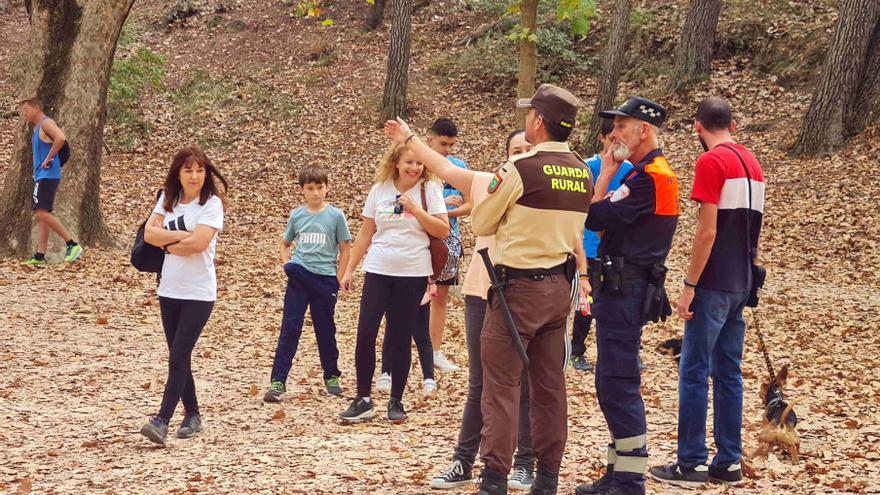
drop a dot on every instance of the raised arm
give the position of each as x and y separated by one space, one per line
399 132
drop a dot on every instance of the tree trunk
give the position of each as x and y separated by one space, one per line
693 60
375 16
866 107
72 44
394 96
528 56
611 66
826 123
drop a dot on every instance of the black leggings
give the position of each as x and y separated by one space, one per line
422 338
183 321
396 298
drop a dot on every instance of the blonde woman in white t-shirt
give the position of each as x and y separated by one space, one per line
395 229
185 223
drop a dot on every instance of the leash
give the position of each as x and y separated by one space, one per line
762 346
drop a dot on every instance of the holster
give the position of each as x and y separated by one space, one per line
571 267
759 274
657 307
594 272
612 274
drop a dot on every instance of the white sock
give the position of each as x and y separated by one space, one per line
367 398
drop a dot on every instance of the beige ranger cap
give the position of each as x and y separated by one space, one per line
554 104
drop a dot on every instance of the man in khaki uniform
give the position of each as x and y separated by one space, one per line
536 211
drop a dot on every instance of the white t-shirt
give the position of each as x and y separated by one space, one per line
400 246
191 277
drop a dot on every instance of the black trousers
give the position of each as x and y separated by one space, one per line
422 338
396 298
183 322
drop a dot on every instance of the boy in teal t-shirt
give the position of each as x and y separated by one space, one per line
319 234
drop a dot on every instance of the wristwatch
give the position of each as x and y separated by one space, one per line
688 284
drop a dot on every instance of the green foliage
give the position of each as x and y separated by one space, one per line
136 71
491 63
578 13
211 106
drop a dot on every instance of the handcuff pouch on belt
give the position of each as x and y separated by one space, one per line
657 307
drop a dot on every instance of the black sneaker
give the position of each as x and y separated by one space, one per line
396 414
360 410
545 483
598 485
730 475
276 392
156 430
675 474
332 385
457 475
521 479
190 426
492 487
580 363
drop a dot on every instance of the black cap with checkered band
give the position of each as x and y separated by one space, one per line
639 108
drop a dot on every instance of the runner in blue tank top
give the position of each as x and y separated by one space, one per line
46 142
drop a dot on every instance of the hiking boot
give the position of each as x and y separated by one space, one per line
580 363
276 392
598 485
156 430
731 475
678 475
396 414
442 363
332 385
429 387
190 425
73 253
359 411
383 383
521 479
616 489
34 262
492 486
455 476
545 483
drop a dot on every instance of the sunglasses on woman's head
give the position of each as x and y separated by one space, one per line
398 208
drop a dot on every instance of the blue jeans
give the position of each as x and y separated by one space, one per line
713 345
306 290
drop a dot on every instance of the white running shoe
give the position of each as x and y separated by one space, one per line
444 364
429 387
383 383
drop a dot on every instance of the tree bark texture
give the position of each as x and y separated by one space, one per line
72 44
827 122
611 67
528 57
866 107
394 95
693 58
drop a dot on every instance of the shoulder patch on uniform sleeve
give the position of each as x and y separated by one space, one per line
496 181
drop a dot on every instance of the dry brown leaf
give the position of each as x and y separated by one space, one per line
254 390
279 415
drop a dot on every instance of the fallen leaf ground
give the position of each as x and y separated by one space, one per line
82 358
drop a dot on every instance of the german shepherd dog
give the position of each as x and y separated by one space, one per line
779 421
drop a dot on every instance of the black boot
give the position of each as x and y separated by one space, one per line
545 482
598 485
492 483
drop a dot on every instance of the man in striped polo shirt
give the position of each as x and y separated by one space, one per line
729 186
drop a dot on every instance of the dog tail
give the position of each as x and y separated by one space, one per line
788 410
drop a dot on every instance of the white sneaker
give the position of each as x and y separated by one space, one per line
443 364
383 383
429 387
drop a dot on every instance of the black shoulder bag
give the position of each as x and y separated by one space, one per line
759 273
146 257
